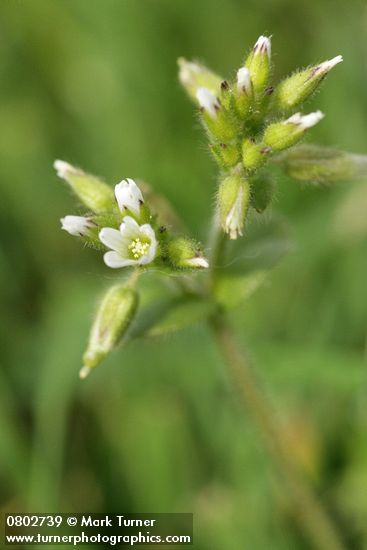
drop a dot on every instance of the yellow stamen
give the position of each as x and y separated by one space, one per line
138 249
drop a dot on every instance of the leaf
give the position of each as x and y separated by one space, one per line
322 165
170 315
232 290
261 248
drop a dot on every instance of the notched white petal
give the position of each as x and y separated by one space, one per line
114 260
111 238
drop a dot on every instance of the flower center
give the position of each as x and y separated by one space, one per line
138 248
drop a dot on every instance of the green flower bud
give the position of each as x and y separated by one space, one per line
233 204
96 195
185 253
226 154
193 75
281 135
220 123
322 165
254 155
245 92
262 191
258 63
295 89
113 318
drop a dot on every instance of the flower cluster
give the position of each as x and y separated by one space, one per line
248 121
120 222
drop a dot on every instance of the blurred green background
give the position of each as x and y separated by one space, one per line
158 426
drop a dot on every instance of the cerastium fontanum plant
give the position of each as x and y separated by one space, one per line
250 125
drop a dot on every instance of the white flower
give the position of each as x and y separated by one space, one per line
128 196
133 244
208 101
198 261
243 80
78 226
234 221
305 121
263 45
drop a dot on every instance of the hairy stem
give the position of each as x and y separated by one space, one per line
309 512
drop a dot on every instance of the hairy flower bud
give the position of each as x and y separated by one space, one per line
78 226
254 155
298 87
233 204
262 191
258 63
322 165
244 91
193 75
281 135
113 318
185 253
96 195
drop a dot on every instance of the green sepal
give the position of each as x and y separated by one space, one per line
262 190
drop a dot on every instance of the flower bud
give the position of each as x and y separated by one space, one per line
322 165
219 121
113 318
193 75
244 91
258 63
298 87
282 135
208 102
186 254
96 195
262 191
254 155
79 226
129 197
233 204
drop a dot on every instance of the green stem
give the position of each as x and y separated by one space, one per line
309 512
218 242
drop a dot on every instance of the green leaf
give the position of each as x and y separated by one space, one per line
232 290
322 165
261 248
170 315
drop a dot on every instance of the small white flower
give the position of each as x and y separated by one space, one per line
199 261
132 244
208 101
326 66
263 46
244 80
79 226
234 220
305 121
129 196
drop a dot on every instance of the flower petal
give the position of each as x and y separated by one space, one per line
147 230
112 238
114 260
